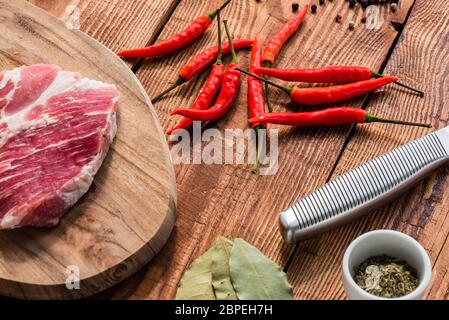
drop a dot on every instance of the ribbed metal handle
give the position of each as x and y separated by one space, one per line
363 189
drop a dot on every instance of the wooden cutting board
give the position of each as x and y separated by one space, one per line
128 213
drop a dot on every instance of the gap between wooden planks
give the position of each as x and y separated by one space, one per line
228 200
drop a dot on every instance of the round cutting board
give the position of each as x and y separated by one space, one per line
128 213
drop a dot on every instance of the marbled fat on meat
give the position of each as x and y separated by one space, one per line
55 131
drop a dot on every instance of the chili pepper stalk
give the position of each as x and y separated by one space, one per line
219 60
267 65
231 43
259 145
326 95
210 88
328 117
229 90
197 28
214 13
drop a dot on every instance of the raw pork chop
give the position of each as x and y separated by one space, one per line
55 131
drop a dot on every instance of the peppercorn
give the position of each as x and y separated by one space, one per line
295 6
321 2
352 3
363 20
394 7
313 8
338 18
351 25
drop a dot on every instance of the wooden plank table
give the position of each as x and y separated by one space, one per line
228 200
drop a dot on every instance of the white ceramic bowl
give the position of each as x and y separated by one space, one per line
392 243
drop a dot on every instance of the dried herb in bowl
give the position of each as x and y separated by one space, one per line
386 277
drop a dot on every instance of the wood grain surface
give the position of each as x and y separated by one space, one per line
228 200
420 59
115 23
128 214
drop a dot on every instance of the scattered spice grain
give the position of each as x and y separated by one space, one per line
394 7
295 6
351 25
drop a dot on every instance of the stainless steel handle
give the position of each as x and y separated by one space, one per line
364 189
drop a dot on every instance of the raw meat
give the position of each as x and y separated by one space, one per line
55 131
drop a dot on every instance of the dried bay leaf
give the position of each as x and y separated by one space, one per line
196 283
221 280
254 276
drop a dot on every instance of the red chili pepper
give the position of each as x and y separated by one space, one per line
256 105
227 95
326 75
200 62
325 95
275 43
327 117
203 60
210 88
205 97
178 41
255 90
319 75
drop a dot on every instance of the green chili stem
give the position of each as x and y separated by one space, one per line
231 45
419 92
178 82
220 54
287 90
215 12
267 64
258 144
373 118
